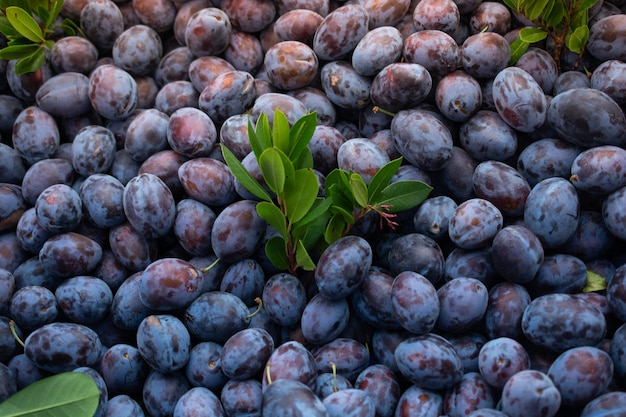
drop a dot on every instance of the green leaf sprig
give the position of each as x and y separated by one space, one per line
291 204
29 26
565 21
64 394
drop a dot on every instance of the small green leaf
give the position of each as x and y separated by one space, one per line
382 177
30 63
57 5
335 228
273 216
532 35
341 198
359 189
556 14
70 28
301 134
403 195
585 4
271 165
577 40
276 251
533 9
280 132
243 176
578 19
304 160
299 194
321 206
18 51
24 24
518 48
260 137
7 29
594 282
303 259
311 232
64 394
513 4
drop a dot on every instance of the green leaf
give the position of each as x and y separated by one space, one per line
335 228
533 9
61 395
271 165
359 189
341 199
321 206
273 216
579 19
311 232
24 24
594 282
280 132
18 51
57 5
513 4
304 160
300 135
577 40
70 28
518 48
276 251
556 14
7 29
403 195
30 63
243 176
303 259
382 177
584 4
532 35
260 136
299 194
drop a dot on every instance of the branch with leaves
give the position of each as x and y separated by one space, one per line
29 27
304 221
565 21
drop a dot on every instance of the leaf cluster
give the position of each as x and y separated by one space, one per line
565 21
65 394
290 201
29 26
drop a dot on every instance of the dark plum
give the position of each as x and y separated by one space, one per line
429 361
540 64
204 366
456 176
485 54
386 13
382 386
102 22
486 136
62 347
467 346
93 150
568 80
164 343
414 301
175 95
501 358
519 99
198 398
462 304
342 267
170 284
323 319
35 135
65 95
131 248
286 396
612 212
43 174
215 316
291 360
284 299
421 402
517 253
69 254
207 180
161 392
607 404
475 223
558 322
102 197
616 291
547 158
58 209
146 134
173 66
470 394
349 356
123 405
112 92
418 253
204 69
372 301
340 32
25 371
165 165
400 85
290 65
245 353
559 273
422 139
192 226
599 170
436 50
127 310
267 103
361 156
378 48
502 185
227 94
607 78
343 86
208 32
440 15
149 205
552 210
237 231
123 370
490 15
15 169
529 391
565 116
74 55
458 96
324 146
349 402
505 308
33 306
606 38
242 398
84 299
317 101
244 51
